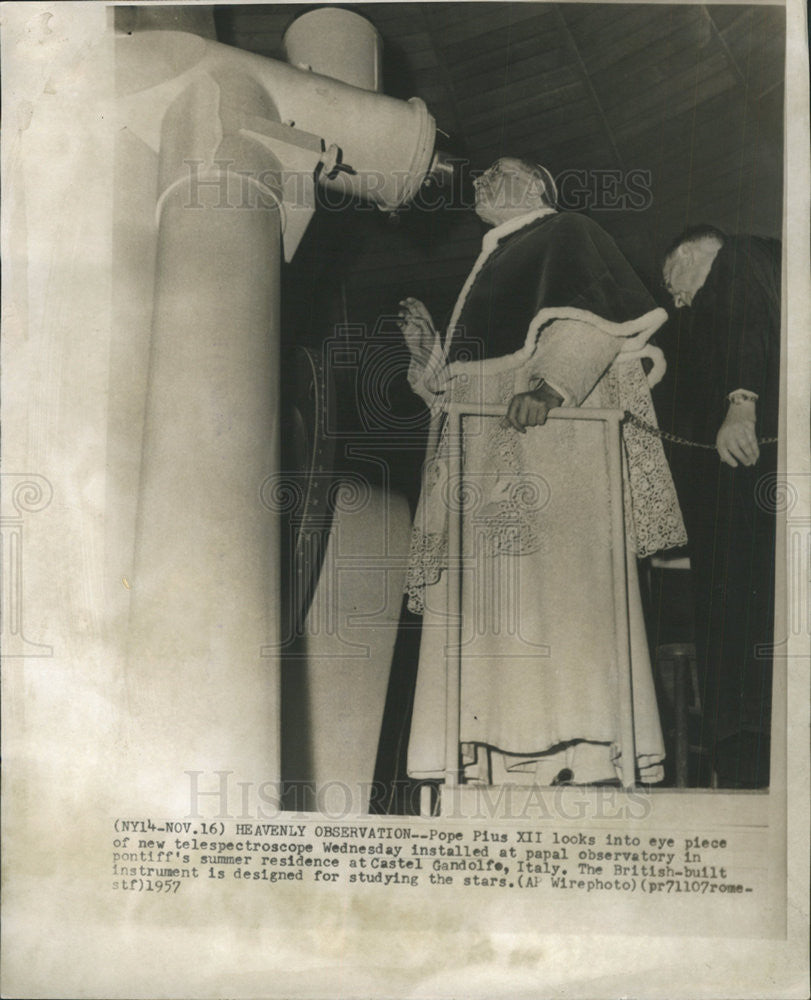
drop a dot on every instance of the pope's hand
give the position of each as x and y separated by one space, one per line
736 440
418 329
530 409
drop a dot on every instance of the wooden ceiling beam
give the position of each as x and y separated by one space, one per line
550 102
453 124
595 16
687 86
510 62
476 23
557 125
577 60
709 121
487 41
542 86
656 47
706 176
621 20
759 33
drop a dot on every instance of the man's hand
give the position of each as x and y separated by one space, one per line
736 440
530 409
418 330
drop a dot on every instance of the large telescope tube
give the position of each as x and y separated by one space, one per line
209 135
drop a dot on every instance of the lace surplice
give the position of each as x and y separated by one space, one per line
506 497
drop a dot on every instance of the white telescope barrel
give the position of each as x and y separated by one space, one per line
337 43
206 133
386 144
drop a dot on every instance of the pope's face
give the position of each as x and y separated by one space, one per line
684 273
504 190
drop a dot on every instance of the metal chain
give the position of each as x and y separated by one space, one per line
674 438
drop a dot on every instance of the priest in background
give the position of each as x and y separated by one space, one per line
730 287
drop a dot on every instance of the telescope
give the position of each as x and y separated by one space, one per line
219 155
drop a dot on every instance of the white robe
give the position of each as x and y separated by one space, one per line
539 691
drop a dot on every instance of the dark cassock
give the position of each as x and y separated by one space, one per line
733 342
549 298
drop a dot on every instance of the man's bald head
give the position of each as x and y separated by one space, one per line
511 187
688 260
